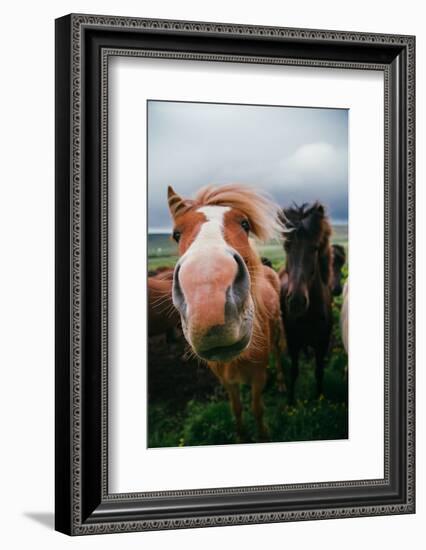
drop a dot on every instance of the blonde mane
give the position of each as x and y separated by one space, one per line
260 210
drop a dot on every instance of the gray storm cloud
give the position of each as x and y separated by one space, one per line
294 154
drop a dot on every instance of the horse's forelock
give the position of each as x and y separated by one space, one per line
260 210
310 219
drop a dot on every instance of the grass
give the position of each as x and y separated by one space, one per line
210 422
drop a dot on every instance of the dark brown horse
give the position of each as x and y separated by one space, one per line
305 287
338 255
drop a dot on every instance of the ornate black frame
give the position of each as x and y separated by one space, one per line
83 46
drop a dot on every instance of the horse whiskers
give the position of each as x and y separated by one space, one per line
163 293
163 298
163 308
189 353
168 312
160 301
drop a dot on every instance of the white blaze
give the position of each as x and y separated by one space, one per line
210 237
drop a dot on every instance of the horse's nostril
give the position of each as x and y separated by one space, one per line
176 276
296 301
178 297
241 280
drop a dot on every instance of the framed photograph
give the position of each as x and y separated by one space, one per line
234 274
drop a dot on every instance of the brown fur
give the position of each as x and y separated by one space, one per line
267 334
162 314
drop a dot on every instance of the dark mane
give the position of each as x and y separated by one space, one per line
306 220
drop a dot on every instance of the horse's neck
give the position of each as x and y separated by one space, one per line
322 277
324 265
263 293
319 292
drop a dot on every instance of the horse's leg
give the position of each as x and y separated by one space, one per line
321 350
294 373
319 371
278 345
257 404
233 390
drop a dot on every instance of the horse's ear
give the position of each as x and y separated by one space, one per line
176 203
320 209
286 224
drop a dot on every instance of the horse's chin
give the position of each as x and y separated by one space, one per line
222 343
296 310
224 354
296 313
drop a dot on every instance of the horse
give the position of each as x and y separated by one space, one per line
228 301
305 287
162 269
338 261
344 317
162 315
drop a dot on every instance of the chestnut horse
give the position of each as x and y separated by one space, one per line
228 301
162 315
306 287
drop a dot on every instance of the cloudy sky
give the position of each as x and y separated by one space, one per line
295 154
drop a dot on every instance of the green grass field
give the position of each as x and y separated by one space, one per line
187 406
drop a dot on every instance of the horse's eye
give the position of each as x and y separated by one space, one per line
245 225
176 235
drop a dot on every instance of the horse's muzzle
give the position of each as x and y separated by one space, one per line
213 298
224 353
297 304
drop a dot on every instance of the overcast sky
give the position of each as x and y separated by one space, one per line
295 154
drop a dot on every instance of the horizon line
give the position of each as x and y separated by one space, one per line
168 230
